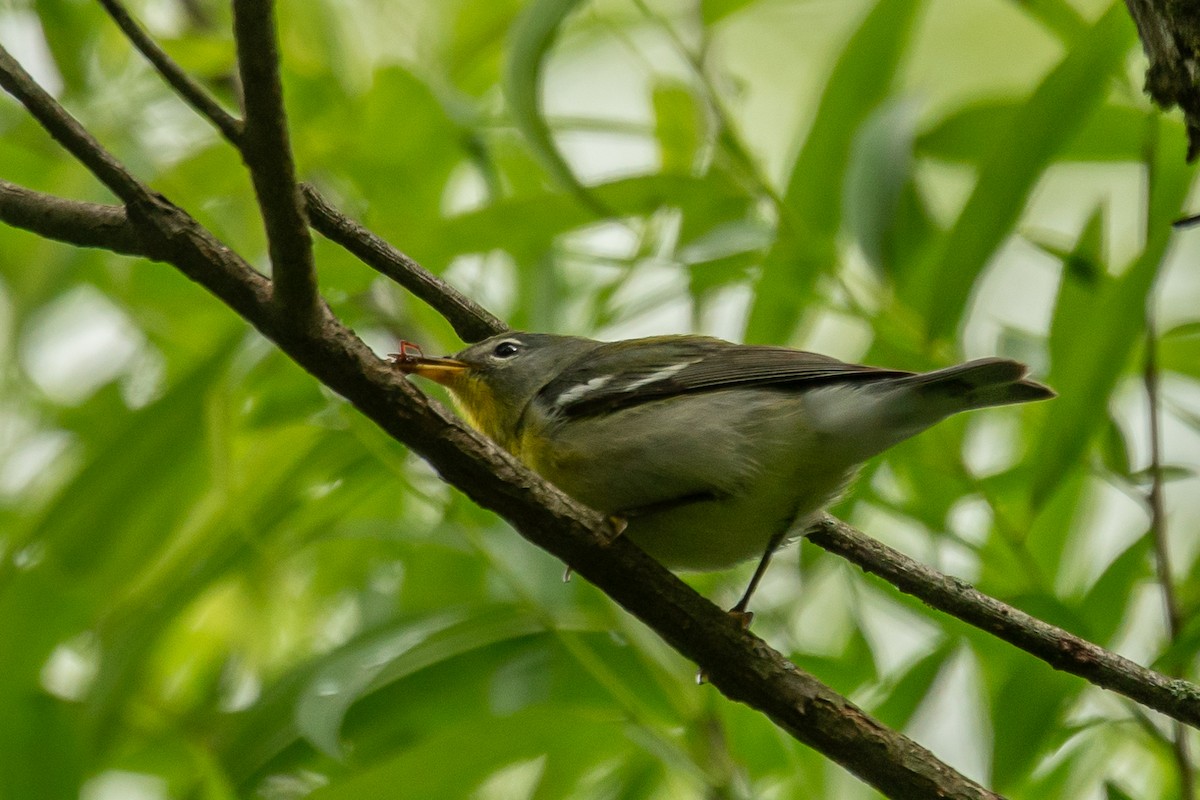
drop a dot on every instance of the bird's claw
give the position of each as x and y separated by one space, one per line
742 617
617 526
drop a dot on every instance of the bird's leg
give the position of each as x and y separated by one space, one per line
739 611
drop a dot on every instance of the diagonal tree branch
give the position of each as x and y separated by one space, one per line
471 321
68 132
738 663
266 148
1060 649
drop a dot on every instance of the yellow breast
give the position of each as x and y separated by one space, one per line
477 403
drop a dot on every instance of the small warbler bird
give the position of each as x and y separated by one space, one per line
712 452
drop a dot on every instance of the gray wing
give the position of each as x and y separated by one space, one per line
623 374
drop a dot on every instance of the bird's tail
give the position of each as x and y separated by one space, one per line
891 409
979 384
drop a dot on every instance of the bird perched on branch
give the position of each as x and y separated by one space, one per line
712 452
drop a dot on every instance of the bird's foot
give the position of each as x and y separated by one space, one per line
742 617
616 527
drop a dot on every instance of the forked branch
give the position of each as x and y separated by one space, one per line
267 150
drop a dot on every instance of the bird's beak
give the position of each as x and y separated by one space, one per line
446 371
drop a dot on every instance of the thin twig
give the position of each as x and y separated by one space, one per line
737 148
1060 649
68 132
1154 496
471 321
183 84
168 233
267 150
1158 533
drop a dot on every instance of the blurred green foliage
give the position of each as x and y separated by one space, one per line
218 581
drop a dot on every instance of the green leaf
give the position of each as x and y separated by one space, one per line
530 39
677 120
283 465
811 216
1059 16
70 29
417 151
505 223
1114 792
1026 704
859 83
350 673
1181 652
1114 450
138 484
40 736
1104 604
1111 133
1040 129
1179 350
906 695
102 527
879 174
847 671
474 48
1094 334
207 54
724 255
713 11
430 767
1166 472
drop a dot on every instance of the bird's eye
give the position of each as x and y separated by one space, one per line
505 350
